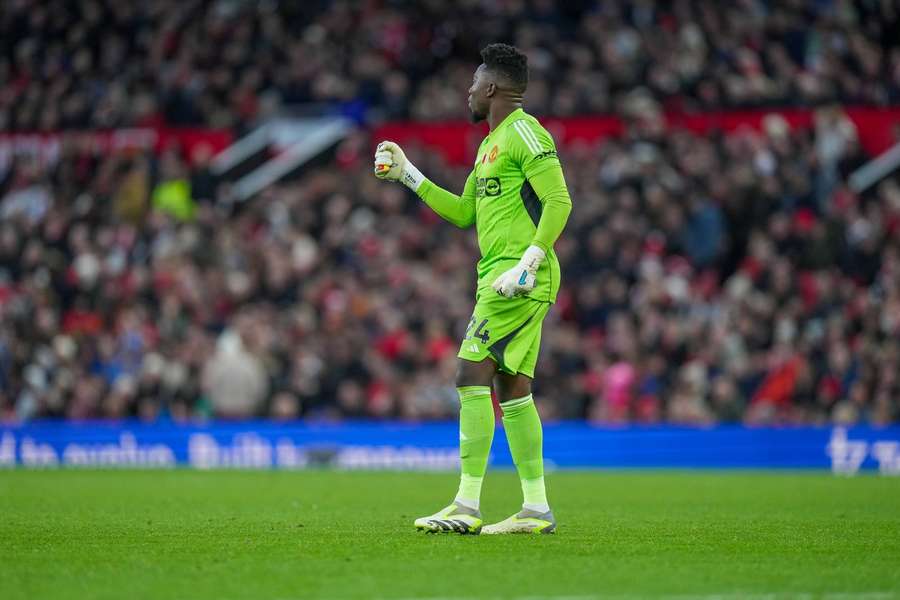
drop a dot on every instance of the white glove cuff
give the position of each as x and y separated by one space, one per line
411 177
532 258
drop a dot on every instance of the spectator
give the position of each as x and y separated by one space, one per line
172 195
235 381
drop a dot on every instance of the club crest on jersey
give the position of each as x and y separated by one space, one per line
491 156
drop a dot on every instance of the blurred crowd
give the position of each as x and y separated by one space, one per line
226 63
706 279
729 278
715 278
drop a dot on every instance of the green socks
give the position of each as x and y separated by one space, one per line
525 437
476 432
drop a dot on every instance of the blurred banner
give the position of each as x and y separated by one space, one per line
458 141
46 147
433 446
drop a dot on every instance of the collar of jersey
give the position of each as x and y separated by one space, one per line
509 119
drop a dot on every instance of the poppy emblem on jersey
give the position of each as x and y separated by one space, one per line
493 155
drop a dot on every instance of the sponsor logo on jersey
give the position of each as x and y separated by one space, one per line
545 154
487 186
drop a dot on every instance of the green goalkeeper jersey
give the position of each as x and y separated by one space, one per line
516 196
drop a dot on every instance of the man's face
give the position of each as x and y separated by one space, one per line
480 95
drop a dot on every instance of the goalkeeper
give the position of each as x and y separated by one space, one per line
517 199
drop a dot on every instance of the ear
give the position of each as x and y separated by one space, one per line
490 90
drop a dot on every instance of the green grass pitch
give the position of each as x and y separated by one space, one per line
289 535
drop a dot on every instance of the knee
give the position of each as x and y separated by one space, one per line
472 373
512 387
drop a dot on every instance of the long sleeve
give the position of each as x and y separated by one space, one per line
551 190
532 148
459 210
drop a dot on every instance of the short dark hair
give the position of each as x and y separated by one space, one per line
507 61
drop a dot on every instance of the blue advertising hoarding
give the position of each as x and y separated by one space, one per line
433 446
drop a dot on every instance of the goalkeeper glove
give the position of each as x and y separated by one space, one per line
522 278
391 164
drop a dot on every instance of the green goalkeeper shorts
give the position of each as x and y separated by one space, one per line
506 329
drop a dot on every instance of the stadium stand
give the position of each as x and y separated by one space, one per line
708 278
